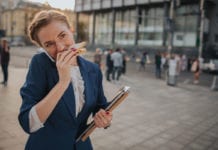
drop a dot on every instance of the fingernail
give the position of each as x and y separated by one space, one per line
107 113
73 49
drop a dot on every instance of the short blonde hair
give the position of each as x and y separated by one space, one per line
42 19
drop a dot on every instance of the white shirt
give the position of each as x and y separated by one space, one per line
172 67
78 87
117 59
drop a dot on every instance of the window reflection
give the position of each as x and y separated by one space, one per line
125 27
186 25
151 27
103 28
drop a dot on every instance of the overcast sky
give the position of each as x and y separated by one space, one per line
62 4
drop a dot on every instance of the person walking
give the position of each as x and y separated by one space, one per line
109 65
195 68
62 90
173 71
123 52
158 65
5 58
117 59
142 61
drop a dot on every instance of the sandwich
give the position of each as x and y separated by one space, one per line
79 48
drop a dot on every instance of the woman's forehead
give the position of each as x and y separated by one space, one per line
52 30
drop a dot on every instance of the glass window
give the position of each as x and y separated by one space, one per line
186 25
125 27
191 23
103 28
151 28
106 3
180 23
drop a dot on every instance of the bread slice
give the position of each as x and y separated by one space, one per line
79 48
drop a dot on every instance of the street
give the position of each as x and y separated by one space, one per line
154 115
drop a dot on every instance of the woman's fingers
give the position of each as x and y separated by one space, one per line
102 118
66 57
63 55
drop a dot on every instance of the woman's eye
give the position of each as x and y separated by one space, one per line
62 36
48 45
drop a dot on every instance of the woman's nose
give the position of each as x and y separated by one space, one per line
60 46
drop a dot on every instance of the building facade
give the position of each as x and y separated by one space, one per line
15 18
147 24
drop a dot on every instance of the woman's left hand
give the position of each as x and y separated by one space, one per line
102 118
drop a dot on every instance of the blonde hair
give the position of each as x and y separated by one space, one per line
42 19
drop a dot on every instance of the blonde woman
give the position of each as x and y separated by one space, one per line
61 89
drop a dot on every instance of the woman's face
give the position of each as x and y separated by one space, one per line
55 37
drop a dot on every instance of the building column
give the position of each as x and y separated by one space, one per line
201 34
93 26
137 26
165 16
113 27
171 22
77 27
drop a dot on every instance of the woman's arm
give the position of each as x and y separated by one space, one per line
47 104
34 91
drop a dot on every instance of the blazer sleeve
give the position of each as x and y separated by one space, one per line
33 90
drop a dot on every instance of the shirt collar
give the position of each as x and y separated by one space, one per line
44 51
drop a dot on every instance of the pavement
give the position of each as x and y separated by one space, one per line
153 117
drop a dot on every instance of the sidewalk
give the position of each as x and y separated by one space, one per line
153 117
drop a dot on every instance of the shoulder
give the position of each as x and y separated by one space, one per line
40 60
88 65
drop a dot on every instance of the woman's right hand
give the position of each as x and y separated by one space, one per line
64 62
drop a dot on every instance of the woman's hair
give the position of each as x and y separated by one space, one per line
42 19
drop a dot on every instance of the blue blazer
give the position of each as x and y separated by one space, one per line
62 127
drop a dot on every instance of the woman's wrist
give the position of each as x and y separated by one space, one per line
63 85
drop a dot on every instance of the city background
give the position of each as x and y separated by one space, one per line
155 116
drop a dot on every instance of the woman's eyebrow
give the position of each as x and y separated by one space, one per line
50 42
61 33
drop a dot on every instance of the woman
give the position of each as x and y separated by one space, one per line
196 70
61 89
5 57
173 70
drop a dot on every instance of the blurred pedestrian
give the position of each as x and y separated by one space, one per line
184 62
158 65
123 52
117 59
109 65
143 61
195 68
97 57
189 65
164 64
173 71
5 58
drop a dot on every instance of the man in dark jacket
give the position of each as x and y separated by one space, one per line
109 64
5 57
158 65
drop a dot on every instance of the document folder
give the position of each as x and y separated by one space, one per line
119 97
